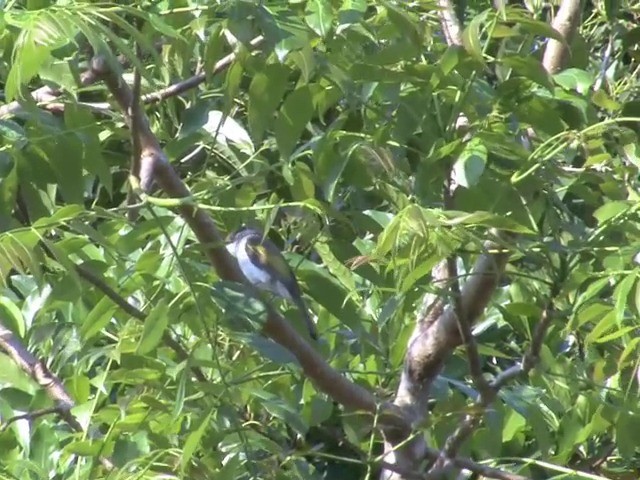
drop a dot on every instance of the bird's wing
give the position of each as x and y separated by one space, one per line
268 256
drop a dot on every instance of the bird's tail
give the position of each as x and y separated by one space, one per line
313 332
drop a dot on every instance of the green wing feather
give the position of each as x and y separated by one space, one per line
271 259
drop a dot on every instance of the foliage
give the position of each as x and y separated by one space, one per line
339 134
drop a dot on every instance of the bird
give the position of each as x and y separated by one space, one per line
263 265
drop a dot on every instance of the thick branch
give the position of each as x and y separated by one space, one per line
566 22
428 351
450 25
435 337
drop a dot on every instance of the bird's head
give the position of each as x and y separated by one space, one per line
245 232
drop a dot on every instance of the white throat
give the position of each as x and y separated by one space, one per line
255 275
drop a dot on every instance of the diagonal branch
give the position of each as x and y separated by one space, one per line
450 24
192 82
156 168
50 383
47 96
566 22
31 416
436 335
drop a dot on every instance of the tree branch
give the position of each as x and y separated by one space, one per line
450 26
46 96
566 22
51 384
436 335
30 416
155 167
192 82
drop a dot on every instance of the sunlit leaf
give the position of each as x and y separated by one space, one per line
470 164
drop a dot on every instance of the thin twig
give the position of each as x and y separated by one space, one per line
463 320
30 416
136 149
192 82
466 335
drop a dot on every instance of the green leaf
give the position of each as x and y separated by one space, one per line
60 216
574 79
232 85
540 113
534 27
471 38
305 60
239 304
27 66
281 409
630 38
611 210
13 133
193 441
351 11
8 190
85 448
592 312
319 16
292 119
329 293
611 8
265 94
98 318
289 32
529 67
154 327
604 325
12 316
303 187
621 296
272 351
514 423
470 165
84 130
404 24
64 155
626 431
602 100
226 129
162 27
